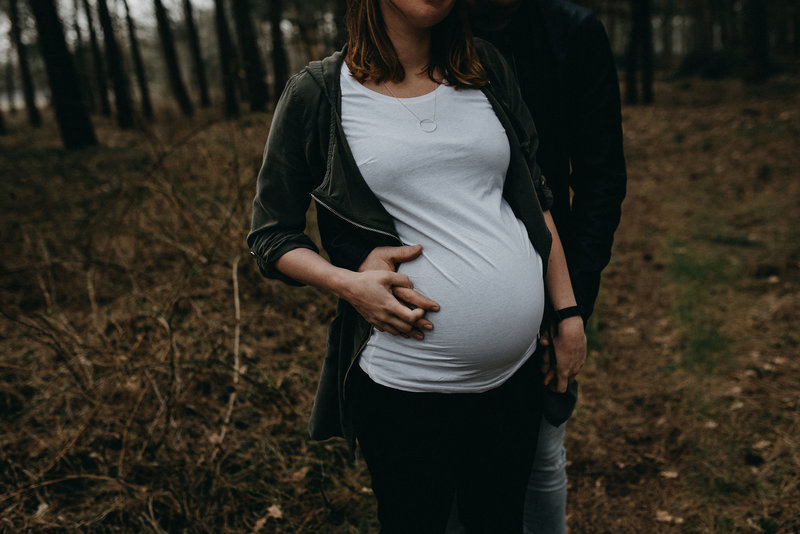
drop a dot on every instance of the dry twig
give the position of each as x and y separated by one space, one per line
31 487
236 363
70 443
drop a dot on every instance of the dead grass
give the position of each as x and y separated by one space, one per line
135 397
689 418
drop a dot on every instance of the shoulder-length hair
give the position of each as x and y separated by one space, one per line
371 55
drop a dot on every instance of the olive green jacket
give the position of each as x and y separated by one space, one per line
307 157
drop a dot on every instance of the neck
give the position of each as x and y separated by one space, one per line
412 44
413 52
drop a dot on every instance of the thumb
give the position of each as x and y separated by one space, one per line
544 338
406 253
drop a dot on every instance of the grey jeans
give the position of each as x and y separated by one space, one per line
546 498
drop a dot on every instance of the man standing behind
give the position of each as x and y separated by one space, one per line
563 61
565 68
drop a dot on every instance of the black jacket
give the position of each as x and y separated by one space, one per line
307 156
562 59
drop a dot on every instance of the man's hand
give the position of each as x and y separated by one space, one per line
570 348
387 259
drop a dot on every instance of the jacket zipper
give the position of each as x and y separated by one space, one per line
353 361
371 327
354 223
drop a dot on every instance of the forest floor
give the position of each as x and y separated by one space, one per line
152 381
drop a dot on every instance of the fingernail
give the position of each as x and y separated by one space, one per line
427 326
419 336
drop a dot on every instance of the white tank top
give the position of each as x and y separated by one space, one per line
444 191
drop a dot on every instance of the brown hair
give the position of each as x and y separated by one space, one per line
371 55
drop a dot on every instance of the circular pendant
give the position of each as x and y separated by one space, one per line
427 125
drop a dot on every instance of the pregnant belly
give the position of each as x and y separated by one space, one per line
488 322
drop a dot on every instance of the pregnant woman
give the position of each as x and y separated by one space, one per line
415 134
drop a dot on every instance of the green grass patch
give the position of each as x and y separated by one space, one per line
594 335
696 275
715 469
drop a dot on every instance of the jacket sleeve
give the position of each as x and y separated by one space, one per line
284 184
503 75
598 177
520 110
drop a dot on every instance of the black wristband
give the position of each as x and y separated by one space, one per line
565 313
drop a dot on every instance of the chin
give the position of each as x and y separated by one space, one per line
420 13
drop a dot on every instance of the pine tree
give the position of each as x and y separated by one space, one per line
280 63
226 60
34 117
98 62
141 77
119 79
257 90
198 66
73 119
171 59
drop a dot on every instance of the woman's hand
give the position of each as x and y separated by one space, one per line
570 348
371 293
385 259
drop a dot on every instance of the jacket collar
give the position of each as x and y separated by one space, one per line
326 75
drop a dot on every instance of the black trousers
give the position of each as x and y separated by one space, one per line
424 449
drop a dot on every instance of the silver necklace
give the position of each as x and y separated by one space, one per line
426 125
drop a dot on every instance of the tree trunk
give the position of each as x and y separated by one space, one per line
34 117
257 90
667 35
795 30
646 22
703 37
119 79
80 58
98 62
723 14
340 12
783 20
640 53
280 63
308 38
171 59
757 40
141 76
226 60
11 86
197 58
612 26
632 59
2 124
73 119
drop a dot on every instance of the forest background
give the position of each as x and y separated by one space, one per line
152 381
